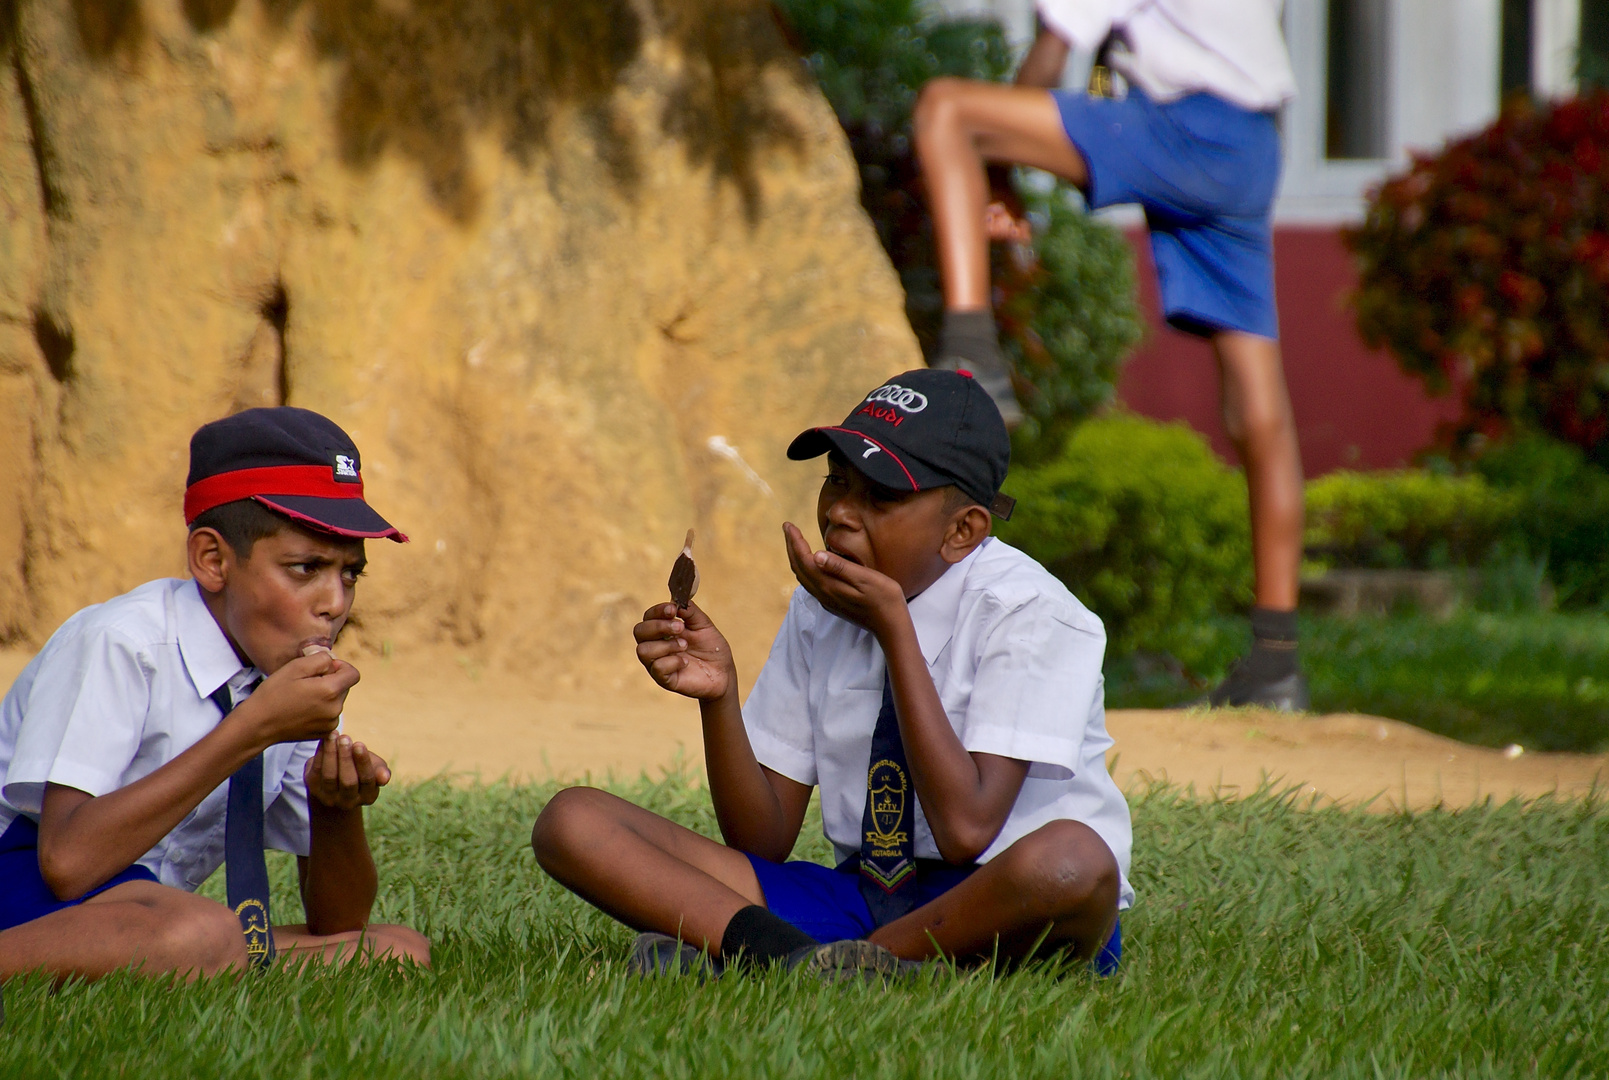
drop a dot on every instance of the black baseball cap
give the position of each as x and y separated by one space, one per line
923 429
293 461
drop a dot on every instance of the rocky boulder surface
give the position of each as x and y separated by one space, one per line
571 274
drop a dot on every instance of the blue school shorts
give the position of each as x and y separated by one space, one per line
826 903
24 896
1205 172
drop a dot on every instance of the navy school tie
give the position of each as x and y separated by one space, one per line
245 866
887 851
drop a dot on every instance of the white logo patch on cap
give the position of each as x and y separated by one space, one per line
345 468
901 398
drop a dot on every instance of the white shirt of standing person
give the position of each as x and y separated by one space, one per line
121 689
1233 49
1016 660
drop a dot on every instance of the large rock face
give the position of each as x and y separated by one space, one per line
571 274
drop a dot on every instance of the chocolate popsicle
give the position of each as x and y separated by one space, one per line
684 576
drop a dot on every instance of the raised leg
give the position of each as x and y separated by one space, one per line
643 870
1059 881
960 125
1257 415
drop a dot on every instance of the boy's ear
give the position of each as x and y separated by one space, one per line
969 526
209 555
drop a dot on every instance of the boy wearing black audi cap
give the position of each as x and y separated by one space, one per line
942 689
190 723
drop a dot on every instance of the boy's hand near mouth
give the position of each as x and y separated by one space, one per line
849 590
301 701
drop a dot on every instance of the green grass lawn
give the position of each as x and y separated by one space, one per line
1540 680
1267 941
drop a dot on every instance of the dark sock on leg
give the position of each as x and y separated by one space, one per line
1273 647
970 337
761 937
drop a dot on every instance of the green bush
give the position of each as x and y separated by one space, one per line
1143 523
1485 270
1067 319
1406 518
1563 516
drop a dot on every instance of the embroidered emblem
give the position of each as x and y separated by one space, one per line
888 793
346 468
898 396
871 448
253 915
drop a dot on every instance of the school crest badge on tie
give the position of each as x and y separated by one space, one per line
887 853
886 846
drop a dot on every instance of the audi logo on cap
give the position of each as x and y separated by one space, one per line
898 396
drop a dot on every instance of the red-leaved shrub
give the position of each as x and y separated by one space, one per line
1485 269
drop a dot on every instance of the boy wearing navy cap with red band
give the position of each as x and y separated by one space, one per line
191 723
941 688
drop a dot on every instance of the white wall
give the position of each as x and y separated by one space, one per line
1442 82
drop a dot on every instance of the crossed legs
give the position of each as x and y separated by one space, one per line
155 930
1059 882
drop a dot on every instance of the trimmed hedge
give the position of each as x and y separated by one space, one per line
1563 513
1406 518
1143 523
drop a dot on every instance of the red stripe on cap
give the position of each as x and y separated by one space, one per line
316 480
895 457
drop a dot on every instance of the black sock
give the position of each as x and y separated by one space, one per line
761 937
1273 645
970 337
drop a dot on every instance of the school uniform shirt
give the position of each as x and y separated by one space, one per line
1234 49
121 689
1016 660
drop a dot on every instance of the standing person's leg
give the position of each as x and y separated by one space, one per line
1257 415
960 126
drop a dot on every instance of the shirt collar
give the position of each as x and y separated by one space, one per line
934 610
208 657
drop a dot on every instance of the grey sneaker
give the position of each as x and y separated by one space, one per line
845 961
661 954
995 378
1239 688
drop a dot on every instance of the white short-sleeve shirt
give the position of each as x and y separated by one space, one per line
1016 660
1168 48
121 689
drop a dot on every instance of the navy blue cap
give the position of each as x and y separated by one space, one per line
923 429
292 461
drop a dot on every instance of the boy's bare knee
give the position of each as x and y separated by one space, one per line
562 822
1061 867
938 102
196 936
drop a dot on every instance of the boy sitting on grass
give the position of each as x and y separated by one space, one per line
189 723
944 691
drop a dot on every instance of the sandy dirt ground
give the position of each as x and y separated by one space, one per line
433 715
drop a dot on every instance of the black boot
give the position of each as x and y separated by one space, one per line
968 342
1268 676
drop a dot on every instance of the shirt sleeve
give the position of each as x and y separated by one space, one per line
1084 24
286 823
83 721
777 713
1037 683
